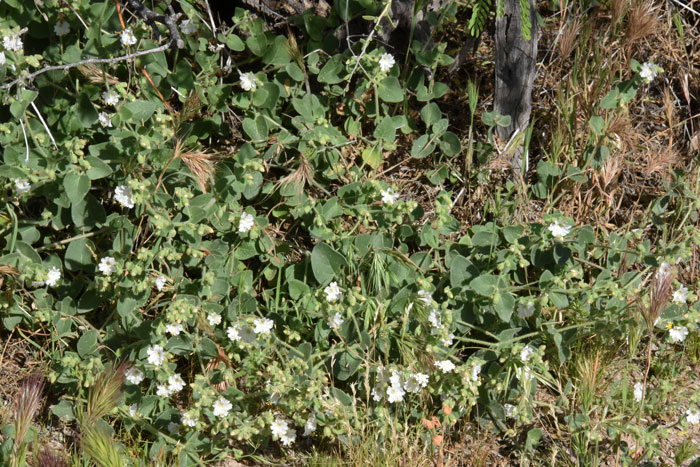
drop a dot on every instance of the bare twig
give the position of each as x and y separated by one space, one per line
151 17
68 66
26 143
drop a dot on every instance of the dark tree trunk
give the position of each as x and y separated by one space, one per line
515 70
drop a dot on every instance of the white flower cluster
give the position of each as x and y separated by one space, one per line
395 385
110 97
189 420
134 375
246 223
336 320
156 355
559 230
649 71
526 309
174 329
52 278
221 407
678 333
105 119
693 416
389 196
160 282
127 37
22 186
434 317
247 334
681 295
61 28
122 194
248 81
175 385
332 292
281 429
107 266
638 391
12 42
386 62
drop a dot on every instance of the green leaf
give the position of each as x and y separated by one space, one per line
137 111
533 438
9 172
504 303
372 156
461 271
87 343
76 186
63 410
346 365
18 107
390 90
234 43
278 53
297 288
181 77
294 72
87 212
256 129
484 285
430 113
98 169
597 124
422 147
87 114
79 255
331 71
450 145
326 263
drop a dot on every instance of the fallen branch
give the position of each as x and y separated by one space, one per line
111 61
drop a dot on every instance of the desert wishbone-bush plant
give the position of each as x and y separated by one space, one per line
214 215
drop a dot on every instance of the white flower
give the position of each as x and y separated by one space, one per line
214 319
336 320
107 265
511 410
110 97
156 355
173 428
638 391
12 42
447 341
648 72
122 194
678 333
663 271
435 319
189 420
232 333
22 186
395 378
176 383
288 437
160 282
310 425
476 369
386 62
221 407
279 427
559 230
127 37
389 196
188 27
246 223
526 352
105 119
394 394
3 60
61 28
332 292
377 393
524 374
53 276
174 329
248 81
263 326
527 309
415 382
134 375
693 416
445 366
680 295
236 333
133 410
425 297
163 391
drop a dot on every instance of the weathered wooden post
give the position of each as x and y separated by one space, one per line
516 56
